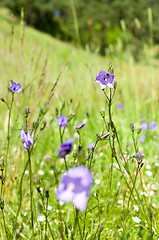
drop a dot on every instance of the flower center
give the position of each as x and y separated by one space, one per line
71 186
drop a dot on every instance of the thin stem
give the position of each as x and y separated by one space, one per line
92 154
20 190
31 194
4 222
8 135
46 223
65 163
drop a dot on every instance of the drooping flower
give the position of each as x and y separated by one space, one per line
105 79
120 106
62 121
144 126
91 146
26 139
80 125
75 186
153 126
65 148
16 87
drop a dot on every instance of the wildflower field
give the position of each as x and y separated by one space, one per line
79 156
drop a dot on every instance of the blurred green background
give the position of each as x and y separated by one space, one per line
103 26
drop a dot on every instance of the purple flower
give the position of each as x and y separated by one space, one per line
16 87
75 187
62 121
153 126
65 148
80 125
91 146
105 79
144 126
26 139
120 106
142 139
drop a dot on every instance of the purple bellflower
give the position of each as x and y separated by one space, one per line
16 87
120 106
62 121
142 139
26 139
105 79
91 146
153 126
65 148
144 126
80 125
75 186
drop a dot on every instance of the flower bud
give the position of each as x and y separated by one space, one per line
132 126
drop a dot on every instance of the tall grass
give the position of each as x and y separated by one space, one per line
58 79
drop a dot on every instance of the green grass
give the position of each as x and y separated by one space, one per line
36 64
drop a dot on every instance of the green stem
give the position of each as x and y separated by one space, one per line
4 222
8 134
20 190
31 194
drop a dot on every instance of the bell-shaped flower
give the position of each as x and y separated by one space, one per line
75 187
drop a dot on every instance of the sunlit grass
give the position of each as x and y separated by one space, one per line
36 62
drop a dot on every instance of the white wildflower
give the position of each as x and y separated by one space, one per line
136 208
149 173
40 172
136 219
97 181
26 172
118 184
41 219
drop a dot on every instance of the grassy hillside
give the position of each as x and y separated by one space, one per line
36 60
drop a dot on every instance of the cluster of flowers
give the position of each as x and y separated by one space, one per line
152 126
76 182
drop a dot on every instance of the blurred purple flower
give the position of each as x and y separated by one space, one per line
26 139
80 125
120 106
62 121
144 126
142 139
105 79
16 87
75 186
153 126
91 146
65 148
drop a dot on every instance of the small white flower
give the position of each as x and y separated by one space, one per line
52 171
148 166
154 205
40 172
118 184
61 203
149 173
144 194
120 201
101 154
151 193
41 219
49 207
157 164
97 181
136 208
26 172
136 219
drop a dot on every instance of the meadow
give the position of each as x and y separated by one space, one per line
58 79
